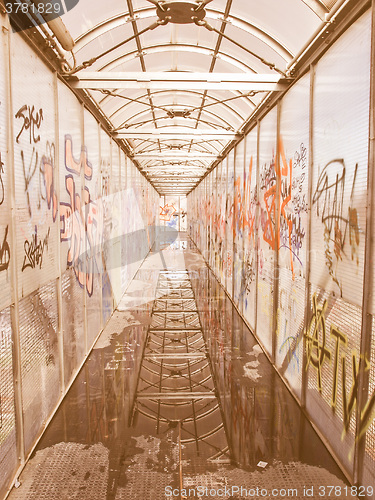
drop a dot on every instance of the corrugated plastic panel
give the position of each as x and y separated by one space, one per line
107 201
115 170
212 212
173 205
137 243
5 246
183 211
38 320
369 422
216 222
204 218
293 169
34 167
202 215
71 159
123 164
8 444
267 237
339 183
238 247
332 353
114 264
223 219
94 233
230 224
73 324
338 205
250 229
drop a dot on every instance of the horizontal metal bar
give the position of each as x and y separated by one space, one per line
174 330
177 156
177 395
188 136
175 80
184 355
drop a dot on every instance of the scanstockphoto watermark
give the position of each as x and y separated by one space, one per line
325 491
25 14
230 491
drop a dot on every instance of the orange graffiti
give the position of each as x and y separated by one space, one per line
166 212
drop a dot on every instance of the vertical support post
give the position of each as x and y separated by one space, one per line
242 280
277 236
368 282
82 189
59 281
225 222
308 235
101 250
14 308
234 219
257 209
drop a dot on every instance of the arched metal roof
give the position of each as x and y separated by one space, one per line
209 40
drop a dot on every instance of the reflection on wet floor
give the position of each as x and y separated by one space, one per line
177 395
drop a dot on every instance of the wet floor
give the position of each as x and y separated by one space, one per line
178 400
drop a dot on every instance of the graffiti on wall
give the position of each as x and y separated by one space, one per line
167 212
4 245
38 169
32 121
2 192
81 220
34 250
283 204
341 227
325 347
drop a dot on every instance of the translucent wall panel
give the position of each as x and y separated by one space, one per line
71 169
267 228
230 224
6 252
212 217
250 229
238 244
293 172
8 445
183 213
222 194
368 422
173 208
73 323
108 206
40 367
33 121
95 230
115 236
339 186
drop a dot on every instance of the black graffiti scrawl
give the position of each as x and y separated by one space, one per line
340 226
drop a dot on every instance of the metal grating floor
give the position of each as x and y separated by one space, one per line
162 404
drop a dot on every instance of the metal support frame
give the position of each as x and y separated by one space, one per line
177 80
183 135
59 281
308 235
276 273
368 283
82 197
14 308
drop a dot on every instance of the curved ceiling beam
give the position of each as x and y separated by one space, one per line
176 47
228 126
244 25
149 145
116 114
183 93
156 147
